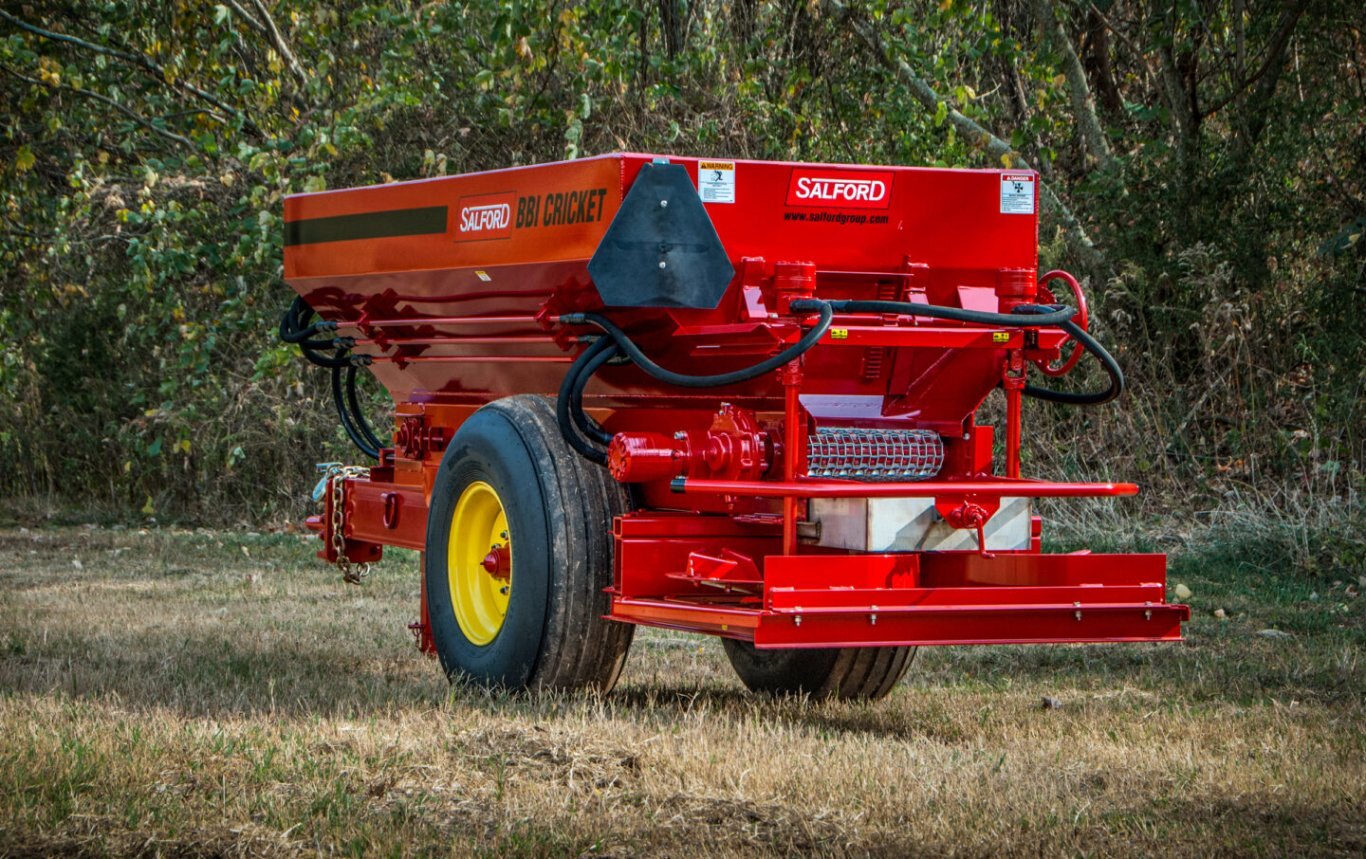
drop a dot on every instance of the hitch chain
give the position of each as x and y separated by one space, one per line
352 574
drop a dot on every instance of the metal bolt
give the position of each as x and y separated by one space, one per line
503 590
503 534
680 436
872 619
663 204
663 264
797 620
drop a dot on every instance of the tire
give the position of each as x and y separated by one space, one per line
557 529
868 673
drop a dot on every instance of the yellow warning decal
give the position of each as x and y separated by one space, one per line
1000 337
839 333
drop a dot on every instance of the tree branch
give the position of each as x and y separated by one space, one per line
998 149
103 99
273 33
156 69
246 16
1275 54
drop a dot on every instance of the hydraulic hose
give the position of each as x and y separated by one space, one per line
358 413
586 424
293 330
1089 398
356 427
683 380
338 361
1042 316
575 424
568 403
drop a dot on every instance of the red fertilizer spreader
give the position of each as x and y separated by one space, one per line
730 397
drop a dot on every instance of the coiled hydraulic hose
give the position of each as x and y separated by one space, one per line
1107 363
573 420
683 380
294 329
357 428
1041 316
569 403
569 406
1044 315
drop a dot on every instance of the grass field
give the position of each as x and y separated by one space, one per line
198 693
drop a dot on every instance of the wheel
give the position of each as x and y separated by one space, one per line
839 672
518 553
1083 319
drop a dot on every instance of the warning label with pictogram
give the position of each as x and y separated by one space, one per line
716 181
1017 194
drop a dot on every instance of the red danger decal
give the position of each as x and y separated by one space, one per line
840 189
486 216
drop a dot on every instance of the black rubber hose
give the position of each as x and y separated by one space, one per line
564 401
1040 316
358 414
293 330
1089 398
586 424
339 361
343 413
1043 315
683 380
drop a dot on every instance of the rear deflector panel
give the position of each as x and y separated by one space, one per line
661 249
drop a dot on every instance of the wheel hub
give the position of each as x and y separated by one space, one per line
479 563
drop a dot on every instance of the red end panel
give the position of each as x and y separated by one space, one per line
540 214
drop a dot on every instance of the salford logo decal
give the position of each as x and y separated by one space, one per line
486 216
840 189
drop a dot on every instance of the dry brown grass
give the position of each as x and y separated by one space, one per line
201 693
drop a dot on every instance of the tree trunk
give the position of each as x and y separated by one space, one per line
1089 130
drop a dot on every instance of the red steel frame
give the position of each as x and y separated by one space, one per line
452 323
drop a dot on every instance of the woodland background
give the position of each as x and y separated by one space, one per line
1204 165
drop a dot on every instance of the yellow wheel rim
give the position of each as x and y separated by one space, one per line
479 563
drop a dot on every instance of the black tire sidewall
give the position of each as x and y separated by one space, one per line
490 447
780 672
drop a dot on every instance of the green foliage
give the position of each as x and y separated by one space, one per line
148 146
